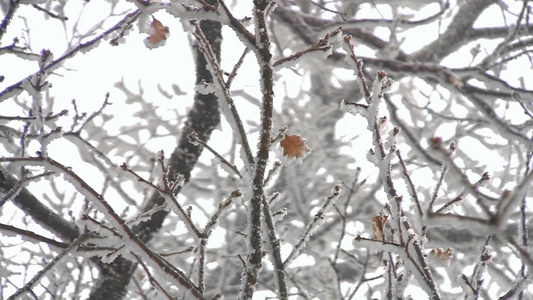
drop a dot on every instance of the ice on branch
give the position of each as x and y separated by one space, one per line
189 10
353 108
314 223
320 50
224 166
46 57
146 216
205 88
89 47
474 283
280 214
410 264
372 157
193 138
178 182
48 138
350 59
379 87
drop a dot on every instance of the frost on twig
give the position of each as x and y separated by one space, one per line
168 191
221 90
324 48
193 138
311 227
14 90
381 155
266 78
472 287
353 107
131 244
28 286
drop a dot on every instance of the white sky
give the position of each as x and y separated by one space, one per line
95 73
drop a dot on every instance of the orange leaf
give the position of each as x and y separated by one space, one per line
378 226
294 146
159 32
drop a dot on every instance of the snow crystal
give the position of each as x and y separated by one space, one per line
224 166
376 99
353 108
314 223
86 47
280 214
379 246
205 88
47 139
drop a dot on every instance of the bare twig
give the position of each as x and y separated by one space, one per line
48 267
193 137
319 216
228 104
16 89
135 245
49 13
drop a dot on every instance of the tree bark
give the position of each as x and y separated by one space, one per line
202 118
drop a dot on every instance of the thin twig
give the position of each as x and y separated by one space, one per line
48 267
328 201
16 89
49 13
410 184
193 138
221 84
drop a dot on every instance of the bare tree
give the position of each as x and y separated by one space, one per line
393 156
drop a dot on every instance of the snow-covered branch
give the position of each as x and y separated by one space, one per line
228 106
319 217
131 241
49 67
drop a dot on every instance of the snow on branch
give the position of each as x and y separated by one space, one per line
132 243
495 221
353 107
14 89
410 262
255 240
324 47
357 65
22 183
316 221
222 91
235 195
167 191
193 138
28 286
384 149
412 189
243 34
27 235
274 244
472 287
